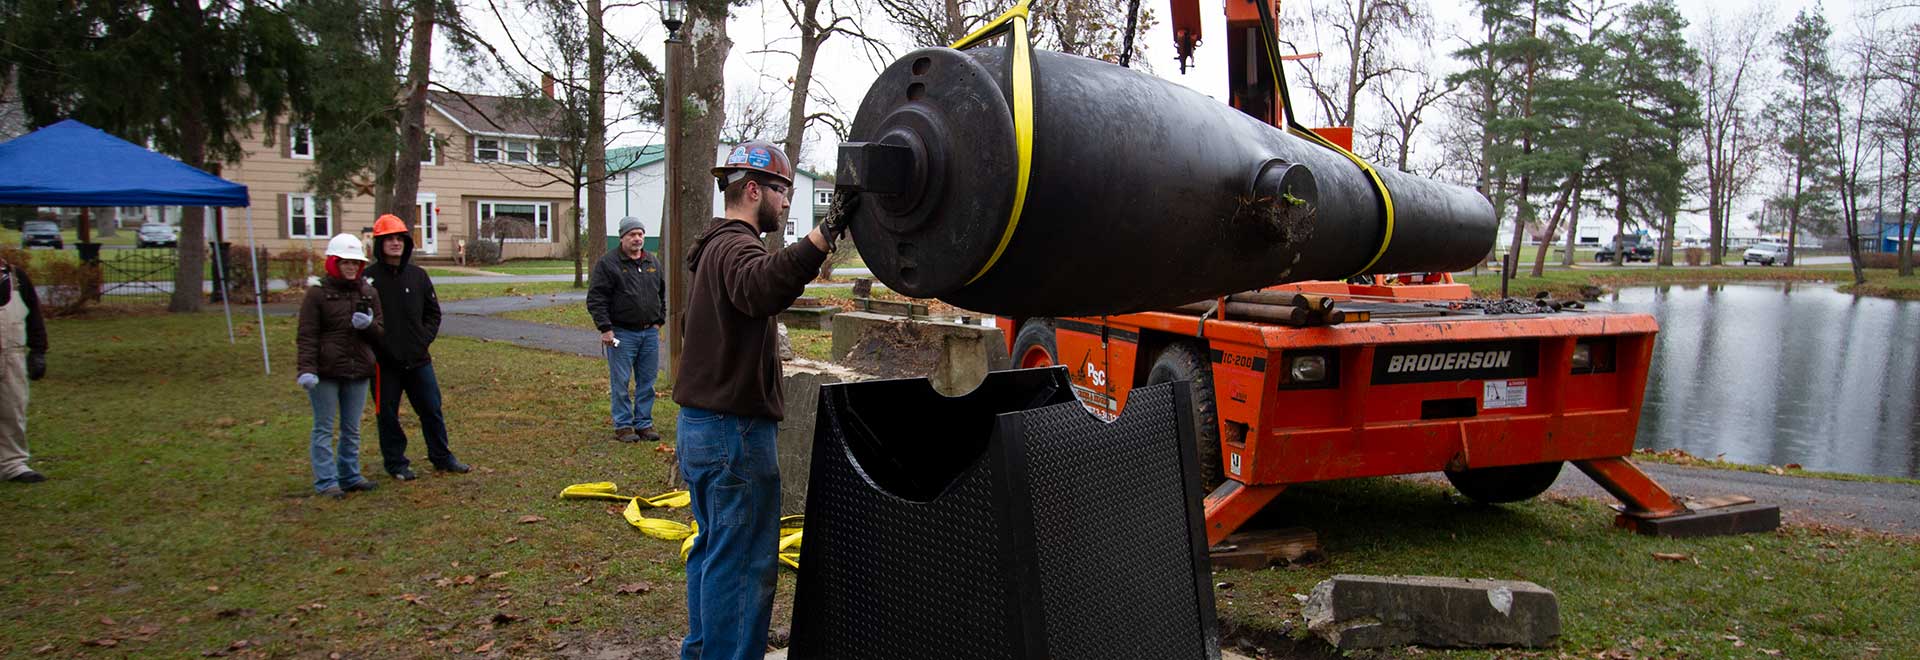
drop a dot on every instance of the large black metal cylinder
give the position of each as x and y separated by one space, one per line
1143 194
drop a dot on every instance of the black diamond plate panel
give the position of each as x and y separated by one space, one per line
1111 517
1008 523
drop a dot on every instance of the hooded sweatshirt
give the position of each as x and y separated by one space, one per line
730 361
412 309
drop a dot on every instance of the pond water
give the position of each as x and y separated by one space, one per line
1778 374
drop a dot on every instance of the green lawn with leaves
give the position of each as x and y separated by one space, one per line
179 522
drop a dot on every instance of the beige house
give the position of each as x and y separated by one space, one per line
482 166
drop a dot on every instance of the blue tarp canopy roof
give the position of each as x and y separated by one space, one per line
73 164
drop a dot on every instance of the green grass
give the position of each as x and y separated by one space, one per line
1570 282
812 344
448 292
532 267
11 237
179 505
572 315
178 521
1800 591
1681 457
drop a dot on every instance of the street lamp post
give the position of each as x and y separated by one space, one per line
673 227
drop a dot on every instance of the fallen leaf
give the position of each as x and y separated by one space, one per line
213 587
43 650
108 642
61 573
108 621
483 648
1670 556
239 644
467 579
1790 466
554 621
149 630
511 539
635 588
311 607
411 598
529 519
496 575
443 582
339 570
259 422
1770 651
583 581
225 422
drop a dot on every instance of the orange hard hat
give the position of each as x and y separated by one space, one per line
389 224
757 156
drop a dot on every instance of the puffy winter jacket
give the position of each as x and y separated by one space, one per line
329 347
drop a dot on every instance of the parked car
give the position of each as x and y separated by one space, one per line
41 232
158 234
1765 254
1637 250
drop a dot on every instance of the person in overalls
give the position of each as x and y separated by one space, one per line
23 357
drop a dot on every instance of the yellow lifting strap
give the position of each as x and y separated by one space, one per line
1271 42
1021 45
673 530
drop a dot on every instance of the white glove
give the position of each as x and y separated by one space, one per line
361 320
308 381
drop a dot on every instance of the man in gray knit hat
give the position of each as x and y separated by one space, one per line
628 301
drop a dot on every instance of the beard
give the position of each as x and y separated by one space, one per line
768 217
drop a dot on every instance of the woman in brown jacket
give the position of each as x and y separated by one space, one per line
339 321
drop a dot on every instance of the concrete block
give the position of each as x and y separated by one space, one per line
954 356
800 392
1370 611
817 317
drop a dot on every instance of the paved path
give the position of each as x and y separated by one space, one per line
568 277
1891 508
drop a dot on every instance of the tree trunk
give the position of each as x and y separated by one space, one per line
810 39
1620 222
956 21
391 37
190 261
596 134
1907 226
1553 224
1573 223
413 120
701 93
579 266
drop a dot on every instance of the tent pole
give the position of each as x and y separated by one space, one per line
259 314
220 278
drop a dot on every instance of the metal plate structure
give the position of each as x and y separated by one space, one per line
1006 523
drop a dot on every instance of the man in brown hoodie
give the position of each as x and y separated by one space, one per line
729 396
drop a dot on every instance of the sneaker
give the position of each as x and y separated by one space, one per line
453 465
625 434
28 477
405 474
334 492
359 486
648 434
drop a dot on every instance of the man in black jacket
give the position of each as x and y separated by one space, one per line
23 357
413 321
628 301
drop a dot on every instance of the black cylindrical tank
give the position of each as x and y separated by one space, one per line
1142 194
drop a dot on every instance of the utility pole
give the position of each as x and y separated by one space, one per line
673 15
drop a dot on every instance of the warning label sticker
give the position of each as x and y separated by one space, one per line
1505 394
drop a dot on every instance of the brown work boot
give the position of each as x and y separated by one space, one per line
648 434
625 434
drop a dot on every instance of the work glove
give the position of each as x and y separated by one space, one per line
308 381
361 320
845 204
36 365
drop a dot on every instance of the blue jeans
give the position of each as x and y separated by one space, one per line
347 399
730 467
423 391
635 360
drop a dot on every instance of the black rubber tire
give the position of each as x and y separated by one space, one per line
1187 361
1033 333
1510 483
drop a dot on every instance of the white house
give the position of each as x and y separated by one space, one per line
640 188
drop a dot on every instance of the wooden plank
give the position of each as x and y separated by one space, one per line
1258 549
1722 501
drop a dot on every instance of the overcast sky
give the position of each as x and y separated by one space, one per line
761 30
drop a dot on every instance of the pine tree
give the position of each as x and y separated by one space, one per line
1800 116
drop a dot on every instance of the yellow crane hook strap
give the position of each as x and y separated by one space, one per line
1021 68
673 530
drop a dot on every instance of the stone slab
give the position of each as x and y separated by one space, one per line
1371 611
800 392
963 353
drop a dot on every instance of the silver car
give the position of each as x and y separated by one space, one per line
40 232
1765 254
157 234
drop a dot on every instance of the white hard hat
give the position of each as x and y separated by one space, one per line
346 246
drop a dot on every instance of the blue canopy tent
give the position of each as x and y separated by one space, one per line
73 164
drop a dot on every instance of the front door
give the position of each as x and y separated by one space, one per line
426 230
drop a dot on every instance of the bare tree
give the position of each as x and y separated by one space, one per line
1858 97
1365 36
751 115
1391 139
1898 125
1732 142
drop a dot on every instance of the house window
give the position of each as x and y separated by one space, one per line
300 141
309 217
823 197
517 222
431 155
518 152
